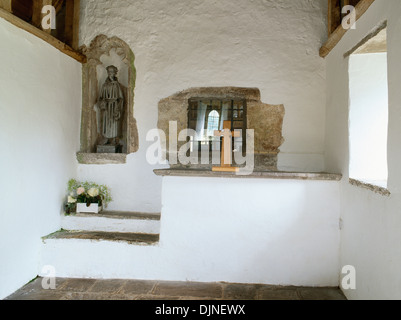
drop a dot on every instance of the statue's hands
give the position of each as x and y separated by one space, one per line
117 116
117 113
102 105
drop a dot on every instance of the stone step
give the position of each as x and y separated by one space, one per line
96 254
131 238
113 221
122 215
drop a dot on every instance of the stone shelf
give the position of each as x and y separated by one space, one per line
121 215
131 238
113 221
255 175
376 189
101 158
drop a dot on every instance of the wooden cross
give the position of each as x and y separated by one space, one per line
226 151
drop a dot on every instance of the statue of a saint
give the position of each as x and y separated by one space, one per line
111 103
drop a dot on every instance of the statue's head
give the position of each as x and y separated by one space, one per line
112 72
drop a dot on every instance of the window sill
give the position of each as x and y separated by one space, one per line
42 35
376 189
101 158
337 35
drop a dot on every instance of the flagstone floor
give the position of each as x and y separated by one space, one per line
92 289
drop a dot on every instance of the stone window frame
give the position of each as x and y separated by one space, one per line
267 121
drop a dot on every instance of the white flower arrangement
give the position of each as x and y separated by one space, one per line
86 192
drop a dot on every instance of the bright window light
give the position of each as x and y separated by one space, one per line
368 117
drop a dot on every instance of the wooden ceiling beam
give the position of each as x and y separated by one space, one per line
336 36
42 35
58 5
6 5
72 23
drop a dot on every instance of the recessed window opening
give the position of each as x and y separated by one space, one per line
368 111
205 116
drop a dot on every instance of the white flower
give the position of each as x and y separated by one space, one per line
93 192
71 199
80 190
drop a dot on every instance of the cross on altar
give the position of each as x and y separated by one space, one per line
226 150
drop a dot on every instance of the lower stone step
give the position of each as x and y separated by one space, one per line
113 221
131 238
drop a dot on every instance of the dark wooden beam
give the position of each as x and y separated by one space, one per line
43 35
336 36
37 14
23 9
6 5
72 23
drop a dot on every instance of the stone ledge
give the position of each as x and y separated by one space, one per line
123 215
102 158
255 175
131 238
376 189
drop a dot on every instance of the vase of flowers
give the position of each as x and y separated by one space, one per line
86 197
89 200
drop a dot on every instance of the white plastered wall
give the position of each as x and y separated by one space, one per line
282 232
40 102
178 44
371 238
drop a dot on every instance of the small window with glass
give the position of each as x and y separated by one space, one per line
205 116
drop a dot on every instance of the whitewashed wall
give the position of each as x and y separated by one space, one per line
371 238
281 232
40 101
178 44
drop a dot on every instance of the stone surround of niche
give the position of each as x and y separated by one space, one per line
102 52
265 119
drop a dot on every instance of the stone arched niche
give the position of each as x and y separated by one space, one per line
101 53
266 120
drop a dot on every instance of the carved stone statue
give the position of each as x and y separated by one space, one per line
111 104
